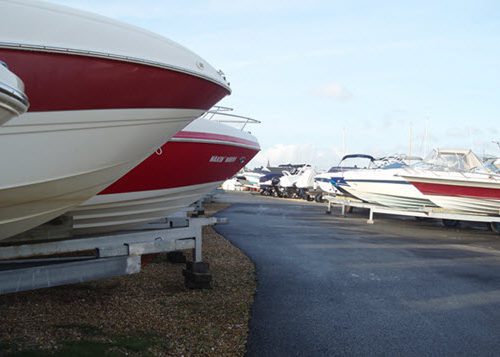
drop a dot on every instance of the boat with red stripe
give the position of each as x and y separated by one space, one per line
467 186
104 96
192 164
467 192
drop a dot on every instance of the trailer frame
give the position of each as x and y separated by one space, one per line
425 212
32 266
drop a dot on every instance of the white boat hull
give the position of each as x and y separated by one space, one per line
327 187
384 187
406 199
323 182
481 206
79 154
120 211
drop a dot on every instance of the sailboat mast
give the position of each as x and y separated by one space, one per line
410 133
343 142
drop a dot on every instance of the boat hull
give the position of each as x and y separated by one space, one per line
384 187
115 212
470 193
467 204
184 170
324 183
384 194
79 154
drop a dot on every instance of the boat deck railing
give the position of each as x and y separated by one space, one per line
223 115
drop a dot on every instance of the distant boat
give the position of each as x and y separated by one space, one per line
327 181
464 185
383 186
461 192
387 186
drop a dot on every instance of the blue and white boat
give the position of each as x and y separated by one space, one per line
327 181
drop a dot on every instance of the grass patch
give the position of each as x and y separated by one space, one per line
140 343
6 347
84 329
116 346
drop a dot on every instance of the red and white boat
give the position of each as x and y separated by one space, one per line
463 192
467 188
13 101
193 163
104 96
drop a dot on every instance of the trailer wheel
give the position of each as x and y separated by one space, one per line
319 197
451 223
495 227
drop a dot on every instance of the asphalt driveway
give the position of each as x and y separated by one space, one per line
336 286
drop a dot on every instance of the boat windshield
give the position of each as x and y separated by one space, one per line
394 165
356 163
452 160
493 165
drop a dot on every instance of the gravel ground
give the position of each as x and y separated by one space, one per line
150 313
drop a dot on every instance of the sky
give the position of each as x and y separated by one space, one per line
327 78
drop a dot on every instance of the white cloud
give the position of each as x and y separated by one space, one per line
333 90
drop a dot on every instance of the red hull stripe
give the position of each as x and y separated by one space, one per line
459 191
56 81
216 137
183 164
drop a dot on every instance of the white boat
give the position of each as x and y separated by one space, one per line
299 175
193 163
327 181
103 96
295 182
467 192
13 101
385 186
231 184
463 185
306 178
250 179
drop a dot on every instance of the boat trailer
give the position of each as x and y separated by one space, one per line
449 218
32 266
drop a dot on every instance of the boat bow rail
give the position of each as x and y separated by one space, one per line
222 115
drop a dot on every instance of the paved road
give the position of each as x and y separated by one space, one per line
337 286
